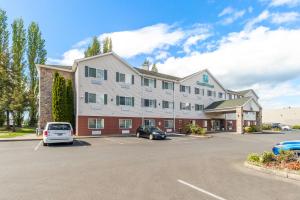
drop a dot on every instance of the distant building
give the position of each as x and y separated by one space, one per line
112 97
288 115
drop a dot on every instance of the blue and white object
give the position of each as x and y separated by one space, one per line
293 145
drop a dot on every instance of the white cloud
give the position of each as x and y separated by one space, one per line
226 11
193 40
145 40
236 15
279 18
68 57
162 55
245 58
290 3
263 16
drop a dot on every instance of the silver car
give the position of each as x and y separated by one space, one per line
58 132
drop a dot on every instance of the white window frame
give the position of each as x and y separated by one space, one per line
170 123
185 106
168 84
127 123
150 82
170 105
100 74
89 97
127 101
99 123
151 103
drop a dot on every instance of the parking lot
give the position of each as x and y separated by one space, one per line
180 167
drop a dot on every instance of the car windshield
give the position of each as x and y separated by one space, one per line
59 127
154 129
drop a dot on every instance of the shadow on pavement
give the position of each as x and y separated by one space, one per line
77 143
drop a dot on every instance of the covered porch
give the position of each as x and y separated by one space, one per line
235 114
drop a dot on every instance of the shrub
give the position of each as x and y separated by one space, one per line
292 165
249 129
286 156
200 131
276 129
194 129
253 157
266 127
267 157
296 127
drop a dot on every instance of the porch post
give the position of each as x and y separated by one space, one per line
259 120
239 120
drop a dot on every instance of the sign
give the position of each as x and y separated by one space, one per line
205 81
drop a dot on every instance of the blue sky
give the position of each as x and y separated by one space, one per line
244 43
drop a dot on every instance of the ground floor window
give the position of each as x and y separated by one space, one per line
95 123
125 123
229 125
149 122
169 123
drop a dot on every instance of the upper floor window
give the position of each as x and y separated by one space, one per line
149 103
167 104
125 101
199 107
197 90
96 73
185 106
149 82
124 78
220 94
209 93
184 88
93 98
167 85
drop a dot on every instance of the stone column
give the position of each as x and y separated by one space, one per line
259 120
239 120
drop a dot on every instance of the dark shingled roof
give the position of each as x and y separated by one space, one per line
243 92
156 74
58 66
227 103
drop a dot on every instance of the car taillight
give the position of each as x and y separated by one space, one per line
45 133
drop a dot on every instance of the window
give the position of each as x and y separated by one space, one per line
209 93
92 98
124 78
167 104
149 82
184 88
125 101
149 123
125 123
197 91
96 73
220 95
199 107
169 123
185 106
149 103
167 85
95 123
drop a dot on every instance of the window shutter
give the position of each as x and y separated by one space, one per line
86 71
142 102
173 86
132 79
154 83
142 83
155 103
190 89
86 97
105 99
180 88
117 76
132 101
105 74
180 106
163 84
117 100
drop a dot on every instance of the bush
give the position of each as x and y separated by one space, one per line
276 129
200 131
194 129
250 129
296 127
266 127
267 157
286 156
253 157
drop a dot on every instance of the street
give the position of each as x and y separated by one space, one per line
128 168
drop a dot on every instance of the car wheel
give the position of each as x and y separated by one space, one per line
45 144
151 137
138 134
71 143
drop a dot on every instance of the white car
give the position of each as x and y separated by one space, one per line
58 132
285 128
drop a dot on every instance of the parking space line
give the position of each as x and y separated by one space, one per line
114 141
38 145
200 190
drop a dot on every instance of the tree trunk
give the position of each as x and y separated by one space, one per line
7 120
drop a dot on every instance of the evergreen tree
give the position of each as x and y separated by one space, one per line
93 49
146 64
154 68
70 103
5 81
36 54
17 103
59 98
107 45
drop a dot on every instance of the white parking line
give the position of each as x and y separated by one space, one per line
114 141
38 145
200 190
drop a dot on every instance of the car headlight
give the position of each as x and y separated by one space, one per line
155 133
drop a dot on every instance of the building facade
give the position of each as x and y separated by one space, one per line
112 97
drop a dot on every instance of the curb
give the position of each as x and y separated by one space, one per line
280 173
201 136
19 139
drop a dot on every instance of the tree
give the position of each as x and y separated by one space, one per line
107 45
70 103
93 49
154 68
5 84
36 54
17 103
59 98
146 64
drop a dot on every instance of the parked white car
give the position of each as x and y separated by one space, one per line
285 128
58 132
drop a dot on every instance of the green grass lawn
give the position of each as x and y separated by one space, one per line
19 132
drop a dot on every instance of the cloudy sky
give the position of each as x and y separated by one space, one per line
245 44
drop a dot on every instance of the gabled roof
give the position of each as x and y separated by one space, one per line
56 67
156 74
244 92
232 103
